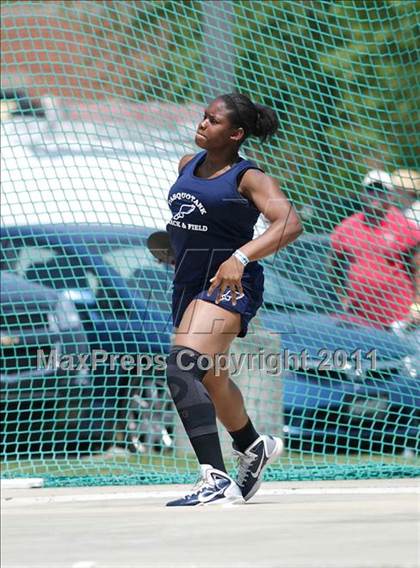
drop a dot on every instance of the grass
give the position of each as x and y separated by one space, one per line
161 467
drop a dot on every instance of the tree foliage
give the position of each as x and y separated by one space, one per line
341 75
343 78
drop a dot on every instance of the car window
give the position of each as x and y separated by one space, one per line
51 267
61 269
126 260
66 270
29 257
143 273
281 291
18 259
305 264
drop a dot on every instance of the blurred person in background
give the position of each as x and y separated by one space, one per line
407 187
374 262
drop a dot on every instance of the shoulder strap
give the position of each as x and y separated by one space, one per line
243 167
190 166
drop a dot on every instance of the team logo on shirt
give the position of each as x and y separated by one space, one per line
184 196
186 209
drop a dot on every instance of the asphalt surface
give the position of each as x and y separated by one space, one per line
341 524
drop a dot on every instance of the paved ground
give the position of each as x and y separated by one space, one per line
363 524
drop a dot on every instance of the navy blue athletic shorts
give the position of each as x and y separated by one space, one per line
246 305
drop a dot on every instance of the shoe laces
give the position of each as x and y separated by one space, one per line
243 463
197 487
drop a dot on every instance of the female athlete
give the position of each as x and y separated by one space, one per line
218 288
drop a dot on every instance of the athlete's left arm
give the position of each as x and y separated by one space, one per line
267 196
285 227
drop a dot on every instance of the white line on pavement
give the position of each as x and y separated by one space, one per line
151 495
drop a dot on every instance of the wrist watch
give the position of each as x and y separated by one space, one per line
243 259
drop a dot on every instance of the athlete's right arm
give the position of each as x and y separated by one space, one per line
184 161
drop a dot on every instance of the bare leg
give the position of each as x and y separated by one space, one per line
210 329
227 399
207 328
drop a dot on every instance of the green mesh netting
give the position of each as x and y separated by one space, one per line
99 101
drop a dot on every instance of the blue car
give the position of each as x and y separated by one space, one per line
43 408
354 388
121 293
357 388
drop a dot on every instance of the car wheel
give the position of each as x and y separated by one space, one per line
149 418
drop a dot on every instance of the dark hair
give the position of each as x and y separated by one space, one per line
256 120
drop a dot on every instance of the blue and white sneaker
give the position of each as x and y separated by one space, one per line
214 487
251 463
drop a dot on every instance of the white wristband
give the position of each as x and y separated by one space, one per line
243 259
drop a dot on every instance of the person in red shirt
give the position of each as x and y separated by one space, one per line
374 263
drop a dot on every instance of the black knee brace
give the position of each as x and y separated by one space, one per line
190 396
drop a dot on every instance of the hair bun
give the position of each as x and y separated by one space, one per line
256 120
266 123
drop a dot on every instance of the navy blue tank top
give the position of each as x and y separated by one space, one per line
210 220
